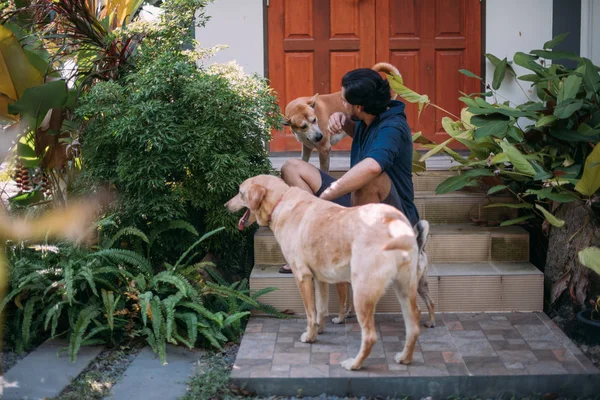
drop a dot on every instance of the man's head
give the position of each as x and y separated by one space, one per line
364 90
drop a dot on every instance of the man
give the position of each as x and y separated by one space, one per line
381 154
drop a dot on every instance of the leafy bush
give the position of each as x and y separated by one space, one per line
106 295
541 151
176 140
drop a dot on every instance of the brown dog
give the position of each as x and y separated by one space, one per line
308 117
372 246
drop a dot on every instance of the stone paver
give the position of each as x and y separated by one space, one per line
147 378
43 373
508 346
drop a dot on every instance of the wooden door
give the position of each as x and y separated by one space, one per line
429 41
312 44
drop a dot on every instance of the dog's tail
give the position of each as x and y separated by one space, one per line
422 232
402 236
388 69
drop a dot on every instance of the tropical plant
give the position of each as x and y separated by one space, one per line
541 151
107 294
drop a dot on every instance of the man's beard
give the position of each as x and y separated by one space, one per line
354 118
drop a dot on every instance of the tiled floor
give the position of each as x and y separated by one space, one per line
488 344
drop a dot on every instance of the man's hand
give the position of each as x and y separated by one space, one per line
337 122
357 177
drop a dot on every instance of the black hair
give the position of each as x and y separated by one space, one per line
365 87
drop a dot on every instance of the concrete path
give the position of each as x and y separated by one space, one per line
43 374
146 378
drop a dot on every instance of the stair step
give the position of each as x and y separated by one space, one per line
459 207
454 287
446 243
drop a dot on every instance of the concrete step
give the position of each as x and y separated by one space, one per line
447 243
454 287
44 374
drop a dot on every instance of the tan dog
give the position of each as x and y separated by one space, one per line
308 117
372 246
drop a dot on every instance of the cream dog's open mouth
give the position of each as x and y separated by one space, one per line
244 220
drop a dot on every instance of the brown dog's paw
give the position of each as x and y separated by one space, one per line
338 320
349 365
429 324
400 358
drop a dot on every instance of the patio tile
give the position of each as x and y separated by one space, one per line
309 371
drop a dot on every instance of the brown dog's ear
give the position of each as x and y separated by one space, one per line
256 194
312 101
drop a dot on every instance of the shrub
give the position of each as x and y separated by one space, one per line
177 140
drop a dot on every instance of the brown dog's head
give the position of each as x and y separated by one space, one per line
258 195
301 117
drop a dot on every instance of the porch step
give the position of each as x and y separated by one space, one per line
454 287
447 243
459 207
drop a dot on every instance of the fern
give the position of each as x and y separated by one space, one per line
216 276
209 334
235 318
27 318
157 317
200 309
52 315
203 238
132 231
68 279
87 274
83 320
112 270
144 300
170 303
175 279
127 257
95 331
108 298
188 343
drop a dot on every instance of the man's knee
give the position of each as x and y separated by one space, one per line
291 169
375 191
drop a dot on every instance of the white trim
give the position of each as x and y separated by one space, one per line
587 19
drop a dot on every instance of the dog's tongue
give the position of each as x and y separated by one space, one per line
243 220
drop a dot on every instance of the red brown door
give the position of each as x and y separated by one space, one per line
313 43
429 41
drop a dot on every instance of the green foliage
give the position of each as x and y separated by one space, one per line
176 141
103 296
542 151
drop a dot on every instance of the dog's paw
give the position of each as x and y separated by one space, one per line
429 324
348 365
401 358
338 320
307 338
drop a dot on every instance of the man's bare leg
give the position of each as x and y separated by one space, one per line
374 192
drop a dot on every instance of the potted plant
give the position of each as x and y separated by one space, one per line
590 258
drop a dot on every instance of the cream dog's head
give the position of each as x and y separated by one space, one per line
301 117
259 195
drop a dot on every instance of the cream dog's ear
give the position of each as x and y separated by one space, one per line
256 194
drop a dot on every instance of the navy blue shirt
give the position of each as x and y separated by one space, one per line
388 141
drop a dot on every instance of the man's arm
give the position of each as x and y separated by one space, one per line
357 177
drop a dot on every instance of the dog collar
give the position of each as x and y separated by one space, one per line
273 210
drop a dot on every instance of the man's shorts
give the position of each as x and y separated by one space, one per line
393 198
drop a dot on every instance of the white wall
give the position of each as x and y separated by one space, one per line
590 30
238 24
512 26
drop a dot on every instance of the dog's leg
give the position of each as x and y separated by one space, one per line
366 295
307 291
306 152
423 290
322 299
325 157
407 296
342 289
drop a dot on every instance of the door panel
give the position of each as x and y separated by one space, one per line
312 44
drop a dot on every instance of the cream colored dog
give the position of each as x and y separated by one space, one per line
371 246
308 117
